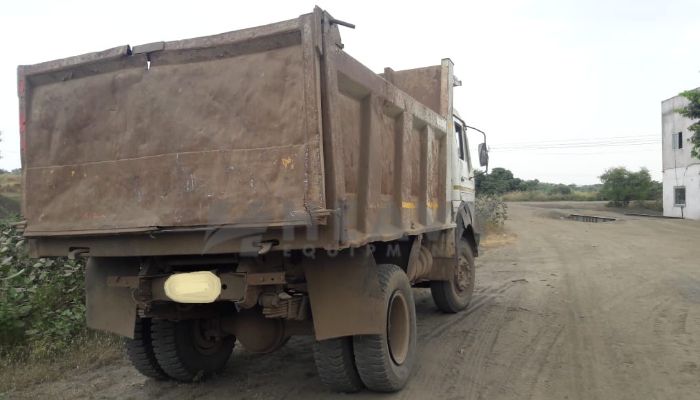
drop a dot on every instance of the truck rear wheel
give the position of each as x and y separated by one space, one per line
335 363
454 295
384 362
185 352
139 351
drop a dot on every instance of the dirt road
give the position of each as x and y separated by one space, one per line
562 310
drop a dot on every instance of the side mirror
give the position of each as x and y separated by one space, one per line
483 155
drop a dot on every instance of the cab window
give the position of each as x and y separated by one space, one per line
459 140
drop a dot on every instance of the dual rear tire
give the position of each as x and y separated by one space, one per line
179 350
382 362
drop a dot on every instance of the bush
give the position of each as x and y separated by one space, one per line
652 205
41 300
491 211
541 195
560 189
621 186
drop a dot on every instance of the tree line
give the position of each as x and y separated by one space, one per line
618 185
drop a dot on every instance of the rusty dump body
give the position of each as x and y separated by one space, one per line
191 146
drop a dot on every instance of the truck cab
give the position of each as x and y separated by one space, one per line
463 177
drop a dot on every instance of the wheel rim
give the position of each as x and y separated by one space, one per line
398 328
203 344
462 277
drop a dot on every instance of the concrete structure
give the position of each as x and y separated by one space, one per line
681 171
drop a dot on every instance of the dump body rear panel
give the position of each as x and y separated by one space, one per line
222 130
267 127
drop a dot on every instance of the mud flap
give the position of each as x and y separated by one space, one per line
111 309
345 296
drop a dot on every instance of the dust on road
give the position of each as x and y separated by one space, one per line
562 310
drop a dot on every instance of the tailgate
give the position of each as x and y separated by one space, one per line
220 130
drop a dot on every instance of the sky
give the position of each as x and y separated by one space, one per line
564 89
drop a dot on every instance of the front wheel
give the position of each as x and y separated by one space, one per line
384 362
186 352
454 295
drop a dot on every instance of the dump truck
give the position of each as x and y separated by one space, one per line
251 186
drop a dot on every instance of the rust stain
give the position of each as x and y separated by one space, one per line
288 163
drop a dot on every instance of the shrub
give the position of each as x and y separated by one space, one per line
653 205
41 300
491 211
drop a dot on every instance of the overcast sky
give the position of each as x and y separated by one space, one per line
541 77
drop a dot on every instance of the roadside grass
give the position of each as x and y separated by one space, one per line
541 195
649 205
88 351
9 204
10 194
10 183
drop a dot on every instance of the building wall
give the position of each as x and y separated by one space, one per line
680 168
690 178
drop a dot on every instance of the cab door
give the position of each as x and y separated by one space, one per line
462 179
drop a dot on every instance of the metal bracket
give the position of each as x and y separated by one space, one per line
76 252
266 246
341 23
266 278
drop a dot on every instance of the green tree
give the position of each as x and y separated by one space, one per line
499 181
692 111
620 186
560 189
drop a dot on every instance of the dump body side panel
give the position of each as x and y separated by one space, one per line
392 175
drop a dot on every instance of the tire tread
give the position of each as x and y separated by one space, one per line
139 351
443 292
336 365
165 349
371 354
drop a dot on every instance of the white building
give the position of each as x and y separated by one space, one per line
681 170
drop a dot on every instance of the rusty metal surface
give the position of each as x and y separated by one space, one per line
110 309
233 285
268 127
423 84
345 294
265 278
198 139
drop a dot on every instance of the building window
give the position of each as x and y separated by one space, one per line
677 140
679 196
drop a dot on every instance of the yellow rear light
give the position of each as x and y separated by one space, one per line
193 287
